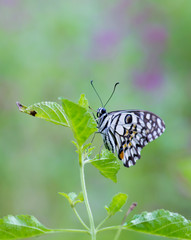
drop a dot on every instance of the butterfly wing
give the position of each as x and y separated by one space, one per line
129 131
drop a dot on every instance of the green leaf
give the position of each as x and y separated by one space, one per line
49 111
107 164
162 223
83 102
116 204
73 198
81 121
22 226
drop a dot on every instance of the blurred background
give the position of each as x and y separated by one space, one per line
50 49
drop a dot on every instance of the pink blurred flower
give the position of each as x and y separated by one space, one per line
104 42
150 78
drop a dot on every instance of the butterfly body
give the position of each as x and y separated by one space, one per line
128 131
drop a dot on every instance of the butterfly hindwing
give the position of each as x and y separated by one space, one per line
127 132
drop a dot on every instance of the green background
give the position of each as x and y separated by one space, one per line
50 49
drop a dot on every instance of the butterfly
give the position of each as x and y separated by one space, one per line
128 131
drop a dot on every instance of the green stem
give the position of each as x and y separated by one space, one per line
69 230
118 233
102 222
80 219
111 228
86 201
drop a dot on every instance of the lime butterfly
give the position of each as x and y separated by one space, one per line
127 131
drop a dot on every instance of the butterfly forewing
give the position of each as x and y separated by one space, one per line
127 132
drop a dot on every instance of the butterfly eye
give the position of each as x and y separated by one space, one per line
100 112
103 110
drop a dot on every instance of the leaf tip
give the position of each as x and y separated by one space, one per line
106 207
20 106
23 108
114 180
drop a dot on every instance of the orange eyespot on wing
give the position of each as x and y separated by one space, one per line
121 153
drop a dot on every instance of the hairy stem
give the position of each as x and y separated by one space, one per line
86 201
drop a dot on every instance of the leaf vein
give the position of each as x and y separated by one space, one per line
11 234
167 225
38 106
52 108
180 229
24 226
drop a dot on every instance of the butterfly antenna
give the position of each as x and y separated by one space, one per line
96 93
112 93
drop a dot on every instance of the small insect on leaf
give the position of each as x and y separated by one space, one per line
33 113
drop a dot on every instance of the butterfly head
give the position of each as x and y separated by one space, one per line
101 111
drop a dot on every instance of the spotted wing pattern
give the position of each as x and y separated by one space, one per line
127 132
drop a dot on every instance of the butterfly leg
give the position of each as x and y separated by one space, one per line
93 137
